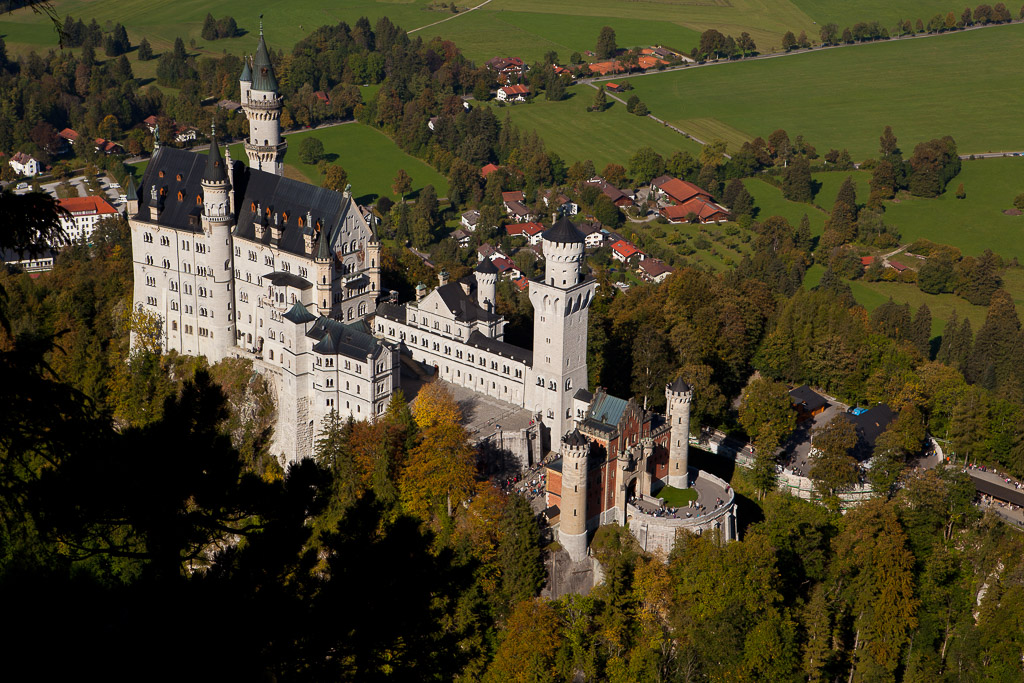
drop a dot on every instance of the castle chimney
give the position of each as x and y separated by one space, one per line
442 278
276 231
259 223
421 291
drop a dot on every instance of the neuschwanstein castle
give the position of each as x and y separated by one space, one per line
238 260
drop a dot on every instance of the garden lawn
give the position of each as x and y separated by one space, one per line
611 136
972 224
677 497
370 158
959 84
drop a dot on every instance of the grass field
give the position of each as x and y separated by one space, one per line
975 223
770 202
613 135
844 97
885 11
677 497
370 158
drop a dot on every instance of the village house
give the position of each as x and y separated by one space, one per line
513 196
624 251
69 136
519 212
150 122
186 135
679 191
432 123
29 263
513 93
807 403
83 214
703 210
531 231
25 165
229 105
654 270
323 97
470 219
593 236
615 87
506 268
461 237
618 197
488 170
507 69
487 251
107 147
560 203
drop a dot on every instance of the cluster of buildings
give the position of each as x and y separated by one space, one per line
681 201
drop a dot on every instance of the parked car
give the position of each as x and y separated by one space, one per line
22 186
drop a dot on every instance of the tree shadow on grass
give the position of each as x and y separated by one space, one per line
331 157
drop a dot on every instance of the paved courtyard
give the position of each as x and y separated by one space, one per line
481 414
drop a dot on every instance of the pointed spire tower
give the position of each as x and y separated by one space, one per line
216 260
262 104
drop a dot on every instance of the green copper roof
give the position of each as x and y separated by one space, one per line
299 314
246 71
262 70
130 193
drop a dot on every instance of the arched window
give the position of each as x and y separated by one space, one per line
300 221
199 199
181 195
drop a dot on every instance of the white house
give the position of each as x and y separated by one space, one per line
470 219
25 165
513 93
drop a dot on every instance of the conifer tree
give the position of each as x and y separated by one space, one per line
921 330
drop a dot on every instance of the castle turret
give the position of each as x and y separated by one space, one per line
572 525
131 196
218 258
262 105
245 80
678 396
486 275
324 274
560 304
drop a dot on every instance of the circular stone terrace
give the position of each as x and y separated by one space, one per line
655 524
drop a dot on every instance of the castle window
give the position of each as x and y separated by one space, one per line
568 384
174 325
174 305
164 241
147 237
150 281
181 195
252 206
151 300
161 174
166 263
199 199
178 177
300 221
149 259
330 383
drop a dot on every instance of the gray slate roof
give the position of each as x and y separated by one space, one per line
337 338
462 306
500 348
214 163
564 231
299 314
281 278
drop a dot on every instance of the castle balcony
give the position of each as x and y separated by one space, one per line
265 149
263 105
715 501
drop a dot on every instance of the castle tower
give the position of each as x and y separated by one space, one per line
677 397
262 105
572 525
324 275
560 303
218 259
486 275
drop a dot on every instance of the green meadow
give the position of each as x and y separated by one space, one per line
961 84
974 223
611 136
369 157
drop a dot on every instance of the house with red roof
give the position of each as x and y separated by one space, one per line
84 213
623 251
618 197
488 170
506 268
150 122
323 97
614 87
68 135
513 93
531 231
107 147
513 196
521 284
679 191
705 211
866 261
897 266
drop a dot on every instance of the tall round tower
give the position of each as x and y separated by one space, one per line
262 105
217 220
563 254
572 525
678 396
486 275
